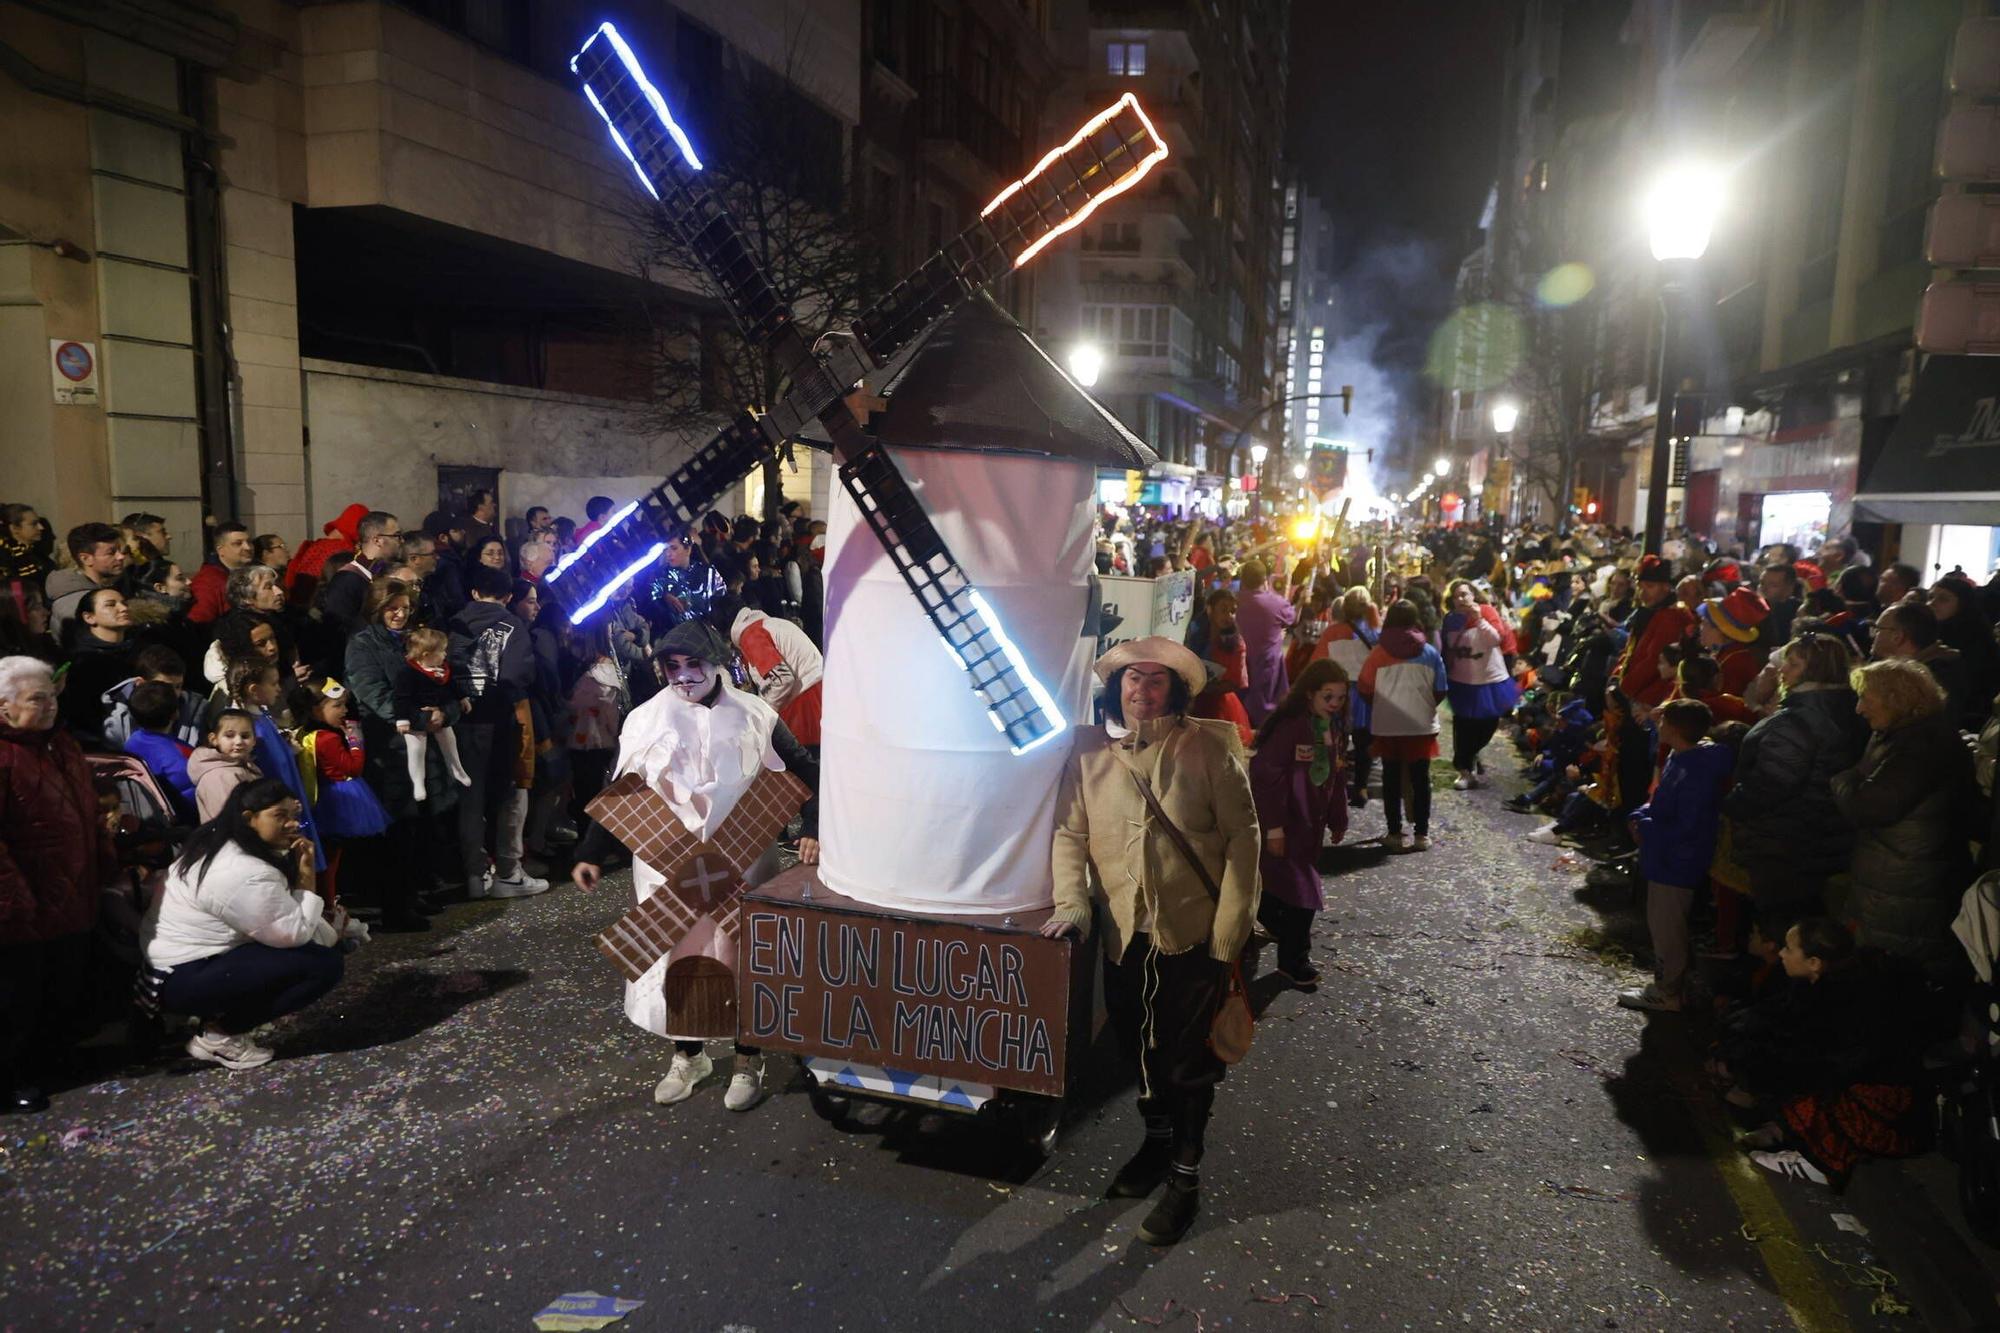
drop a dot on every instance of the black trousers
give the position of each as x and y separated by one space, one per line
1417 773
43 988
1291 927
1162 1006
1780 897
1357 781
488 751
251 984
697 1047
1468 737
1635 767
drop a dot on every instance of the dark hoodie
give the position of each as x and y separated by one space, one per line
491 654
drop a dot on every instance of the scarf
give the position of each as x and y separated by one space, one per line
1322 760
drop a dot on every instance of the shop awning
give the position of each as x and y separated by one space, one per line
1942 461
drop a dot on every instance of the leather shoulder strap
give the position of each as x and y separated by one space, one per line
1179 839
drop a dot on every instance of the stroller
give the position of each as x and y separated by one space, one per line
148 840
1969 1094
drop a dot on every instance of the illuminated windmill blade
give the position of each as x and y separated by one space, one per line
1110 154
1021 708
629 542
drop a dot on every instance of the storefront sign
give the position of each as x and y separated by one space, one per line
966 1000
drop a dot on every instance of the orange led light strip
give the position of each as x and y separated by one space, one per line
1123 184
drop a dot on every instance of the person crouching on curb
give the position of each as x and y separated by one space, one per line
1170 940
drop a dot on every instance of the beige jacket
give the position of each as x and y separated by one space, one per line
1108 850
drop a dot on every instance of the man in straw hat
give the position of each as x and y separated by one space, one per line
1173 922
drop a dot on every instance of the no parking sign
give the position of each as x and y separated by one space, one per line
73 372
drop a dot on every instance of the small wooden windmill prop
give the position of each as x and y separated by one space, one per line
1108 155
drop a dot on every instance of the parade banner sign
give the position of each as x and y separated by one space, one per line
1149 606
963 998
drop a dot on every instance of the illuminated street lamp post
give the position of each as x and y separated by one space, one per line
1258 453
1680 213
1086 363
1506 415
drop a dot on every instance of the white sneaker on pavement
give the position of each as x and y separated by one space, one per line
481 887
682 1077
1465 782
1649 997
229 1051
520 884
1394 842
1790 1164
746 1088
1421 843
1546 835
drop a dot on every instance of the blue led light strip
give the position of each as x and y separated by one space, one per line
610 589
591 541
636 76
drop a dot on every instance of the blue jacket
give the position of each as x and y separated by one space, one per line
167 757
1677 827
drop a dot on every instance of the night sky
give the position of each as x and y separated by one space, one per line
1394 125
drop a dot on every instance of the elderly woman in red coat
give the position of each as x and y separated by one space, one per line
1299 780
54 855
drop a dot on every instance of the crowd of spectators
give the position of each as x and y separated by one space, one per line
344 736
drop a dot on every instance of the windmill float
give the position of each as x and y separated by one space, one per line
935 835
1110 154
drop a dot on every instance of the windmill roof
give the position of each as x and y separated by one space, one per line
975 380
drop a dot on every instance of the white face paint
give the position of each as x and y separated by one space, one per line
689 677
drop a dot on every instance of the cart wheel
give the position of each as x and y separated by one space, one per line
1040 1122
828 1106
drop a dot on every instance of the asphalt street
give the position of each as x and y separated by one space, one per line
1459 1130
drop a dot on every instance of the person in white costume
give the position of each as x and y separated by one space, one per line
700 743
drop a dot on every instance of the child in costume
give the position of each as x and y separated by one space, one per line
346 807
426 682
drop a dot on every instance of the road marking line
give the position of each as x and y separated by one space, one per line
1802 1286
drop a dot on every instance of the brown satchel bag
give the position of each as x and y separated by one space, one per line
1234 1026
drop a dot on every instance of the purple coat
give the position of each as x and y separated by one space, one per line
1281 782
1263 617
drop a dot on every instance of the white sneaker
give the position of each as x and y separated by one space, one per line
231 1052
1790 1164
1547 836
481 887
1464 782
746 1088
1420 843
1394 842
682 1076
1649 997
520 884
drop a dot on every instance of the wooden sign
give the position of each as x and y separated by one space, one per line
966 998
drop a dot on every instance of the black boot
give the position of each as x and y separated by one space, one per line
1142 1175
1174 1213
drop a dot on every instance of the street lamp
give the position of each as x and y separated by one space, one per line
1086 362
1258 453
1298 471
1506 413
1442 467
1680 212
